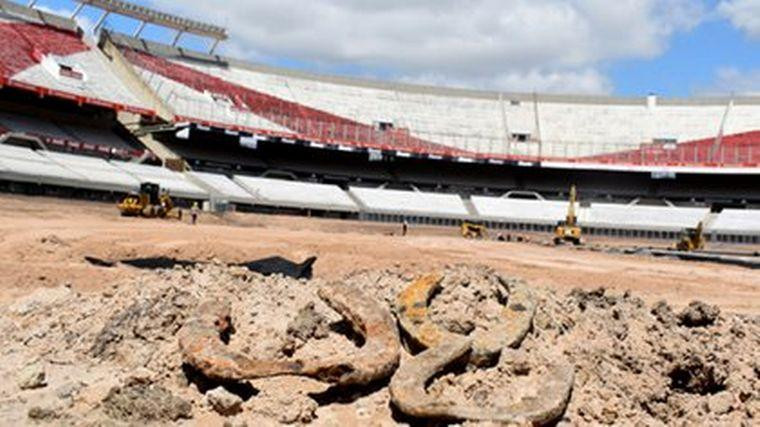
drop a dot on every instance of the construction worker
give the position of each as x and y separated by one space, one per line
194 211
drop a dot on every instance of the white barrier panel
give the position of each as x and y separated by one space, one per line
173 182
520 210
100 174
221 186
644 217
25 165
276 192
739 221
400 202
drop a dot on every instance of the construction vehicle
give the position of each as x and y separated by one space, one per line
569 230
150 202
692 239
471 230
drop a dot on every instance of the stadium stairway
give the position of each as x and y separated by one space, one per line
167 156
126 73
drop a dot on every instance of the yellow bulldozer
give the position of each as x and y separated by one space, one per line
692 239
149 202
470 230
569 230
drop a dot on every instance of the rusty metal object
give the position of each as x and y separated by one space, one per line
201 344
407 389
514 325
378 358
515 322
412 308
202 347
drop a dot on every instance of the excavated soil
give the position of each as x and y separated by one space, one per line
114 355
88 345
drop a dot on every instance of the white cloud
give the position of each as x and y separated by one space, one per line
510 44
732 80
743 14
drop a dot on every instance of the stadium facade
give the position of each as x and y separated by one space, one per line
97 117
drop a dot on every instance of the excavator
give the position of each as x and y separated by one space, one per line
692 239
569 230
149 202
471 230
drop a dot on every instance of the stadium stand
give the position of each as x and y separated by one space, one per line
212 96
436 121
98 173
49 56
410 203
635 217
520 210
736 222
230 121
20 164
222 187
174 182
737 149
300 195
68 137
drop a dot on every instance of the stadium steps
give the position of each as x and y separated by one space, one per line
168 157
123 69
470 206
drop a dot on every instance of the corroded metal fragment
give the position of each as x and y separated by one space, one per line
379 356
408 393
202 347
515 320
200 341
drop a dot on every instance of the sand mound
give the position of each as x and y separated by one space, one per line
114 355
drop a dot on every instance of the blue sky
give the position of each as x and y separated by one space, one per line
622 47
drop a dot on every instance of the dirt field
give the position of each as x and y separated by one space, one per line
567 336
44 241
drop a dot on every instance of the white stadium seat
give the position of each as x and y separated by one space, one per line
221 187
377 200
736 221
173 182
100 174
643 217
520 210
292 194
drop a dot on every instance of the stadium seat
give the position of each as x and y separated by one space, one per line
416 203
292 194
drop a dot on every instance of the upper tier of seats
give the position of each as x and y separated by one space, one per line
737 149
201 96
432 120
59 62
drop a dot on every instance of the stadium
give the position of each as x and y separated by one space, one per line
292 163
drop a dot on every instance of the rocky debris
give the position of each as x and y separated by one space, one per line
633 363
698 314
595 298
720 403
147 319
308 324
469 300
31 377
695 375
145 402
43 414
664 314
224 402
284 406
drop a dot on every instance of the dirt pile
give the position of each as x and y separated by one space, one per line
114 355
